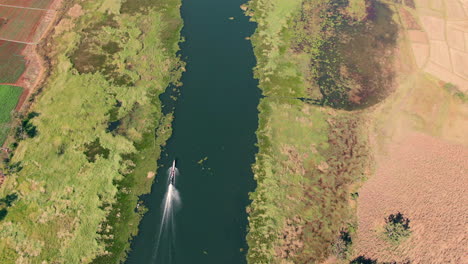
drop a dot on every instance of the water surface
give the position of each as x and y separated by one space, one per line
216 119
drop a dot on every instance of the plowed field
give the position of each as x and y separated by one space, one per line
19 24
425 179
12 63
28 3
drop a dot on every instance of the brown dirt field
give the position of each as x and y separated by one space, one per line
21 23
460 25
418 36
29 3
424 178
454 10
455 38
447 29
418 135
421 53
466 41
460 63
435 27
440 54
437 4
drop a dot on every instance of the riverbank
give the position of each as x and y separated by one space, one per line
94 134
313 134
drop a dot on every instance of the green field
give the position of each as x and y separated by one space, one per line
9 96
77 181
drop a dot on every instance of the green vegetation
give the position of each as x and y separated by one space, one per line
307 161
98 130
9 96
396 228
317 50
455 91
314 58
365 260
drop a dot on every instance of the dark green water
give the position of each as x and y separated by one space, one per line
215 117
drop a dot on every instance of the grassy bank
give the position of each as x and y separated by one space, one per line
9 96
314 59
98 132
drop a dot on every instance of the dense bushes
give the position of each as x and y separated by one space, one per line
397 228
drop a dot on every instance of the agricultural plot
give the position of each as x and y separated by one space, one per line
9 96
12 63
28 3
19 24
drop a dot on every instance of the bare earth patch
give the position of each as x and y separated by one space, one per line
446 25
424 178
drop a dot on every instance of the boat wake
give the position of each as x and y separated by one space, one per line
165 243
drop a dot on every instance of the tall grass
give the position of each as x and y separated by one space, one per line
309 155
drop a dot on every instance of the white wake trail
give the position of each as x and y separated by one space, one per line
170 204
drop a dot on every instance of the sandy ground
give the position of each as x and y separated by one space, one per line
426 179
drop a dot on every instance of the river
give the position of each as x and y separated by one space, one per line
215 120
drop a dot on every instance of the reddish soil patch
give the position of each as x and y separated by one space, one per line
424 178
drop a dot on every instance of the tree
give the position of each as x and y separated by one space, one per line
397 228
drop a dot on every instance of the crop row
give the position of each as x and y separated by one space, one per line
12 63
19 24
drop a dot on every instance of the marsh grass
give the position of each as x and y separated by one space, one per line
307 161
310 155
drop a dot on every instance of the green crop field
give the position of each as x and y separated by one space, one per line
9 96
13 63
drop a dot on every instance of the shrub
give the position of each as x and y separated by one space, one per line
397 228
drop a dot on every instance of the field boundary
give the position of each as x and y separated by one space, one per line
24 7
18 41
